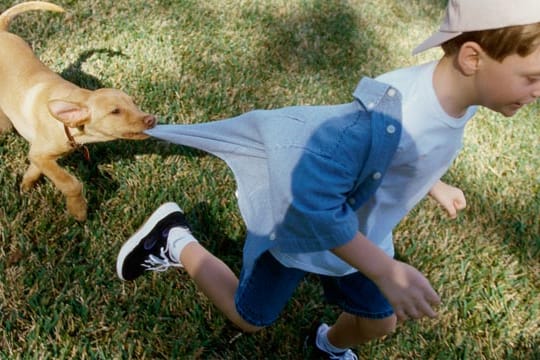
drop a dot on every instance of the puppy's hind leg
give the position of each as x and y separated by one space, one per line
32 174
65 182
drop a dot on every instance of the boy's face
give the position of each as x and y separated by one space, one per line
508 85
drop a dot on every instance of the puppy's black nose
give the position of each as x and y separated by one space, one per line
150 121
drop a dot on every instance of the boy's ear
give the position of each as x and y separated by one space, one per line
469 57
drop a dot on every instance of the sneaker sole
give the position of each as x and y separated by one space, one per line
161 212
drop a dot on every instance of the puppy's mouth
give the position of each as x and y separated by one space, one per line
135 136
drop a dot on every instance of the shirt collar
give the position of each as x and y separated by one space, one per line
370 92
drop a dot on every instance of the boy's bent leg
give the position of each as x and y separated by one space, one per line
265 289
366 315
216 280
165 241
351 330
250 303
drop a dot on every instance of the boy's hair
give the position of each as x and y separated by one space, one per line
499 43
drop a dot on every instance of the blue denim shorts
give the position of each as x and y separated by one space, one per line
262 294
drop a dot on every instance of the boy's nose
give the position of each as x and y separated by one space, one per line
536 92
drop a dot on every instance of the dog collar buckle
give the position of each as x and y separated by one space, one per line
76 146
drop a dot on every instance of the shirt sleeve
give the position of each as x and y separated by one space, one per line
312 212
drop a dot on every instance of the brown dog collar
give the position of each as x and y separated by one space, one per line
75 145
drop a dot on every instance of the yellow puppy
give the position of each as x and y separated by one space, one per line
56 116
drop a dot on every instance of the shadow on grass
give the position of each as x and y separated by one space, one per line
99 185
74 73
514 221
516 224
438 3
324 35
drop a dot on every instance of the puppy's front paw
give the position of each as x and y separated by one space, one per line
77 207
5 129
27 184
30 177
5 124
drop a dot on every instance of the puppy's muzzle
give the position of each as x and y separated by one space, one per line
149 121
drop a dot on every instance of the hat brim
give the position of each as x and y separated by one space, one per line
435 40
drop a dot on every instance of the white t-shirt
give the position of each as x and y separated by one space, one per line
430 141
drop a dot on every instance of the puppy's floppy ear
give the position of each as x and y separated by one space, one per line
70 113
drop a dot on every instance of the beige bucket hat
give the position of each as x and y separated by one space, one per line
474 15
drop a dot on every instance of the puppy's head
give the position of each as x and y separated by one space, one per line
107 114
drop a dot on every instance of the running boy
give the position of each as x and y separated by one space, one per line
321 188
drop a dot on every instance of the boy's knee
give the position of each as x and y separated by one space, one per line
250 329
375 328
385 326
245 325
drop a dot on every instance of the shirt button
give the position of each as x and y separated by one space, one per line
390 129
371 105
376 176
272 236
391 92
351 201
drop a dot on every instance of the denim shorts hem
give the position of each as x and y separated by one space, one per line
254 319
258 303
356 294
264 291
364 314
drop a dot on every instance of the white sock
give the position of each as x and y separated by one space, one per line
177 239
323 343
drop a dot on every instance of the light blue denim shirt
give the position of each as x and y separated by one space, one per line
302 171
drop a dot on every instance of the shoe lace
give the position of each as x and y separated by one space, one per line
160 263
347 355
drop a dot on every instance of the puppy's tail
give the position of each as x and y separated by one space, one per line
9 14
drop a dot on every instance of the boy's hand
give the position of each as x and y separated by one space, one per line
450 197
408 291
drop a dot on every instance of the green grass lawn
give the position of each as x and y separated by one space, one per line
194 61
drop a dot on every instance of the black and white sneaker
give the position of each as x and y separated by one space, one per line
148 248
313 351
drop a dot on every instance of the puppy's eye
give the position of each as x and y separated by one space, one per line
116 111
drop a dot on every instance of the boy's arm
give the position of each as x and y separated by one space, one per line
450 197
407 290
